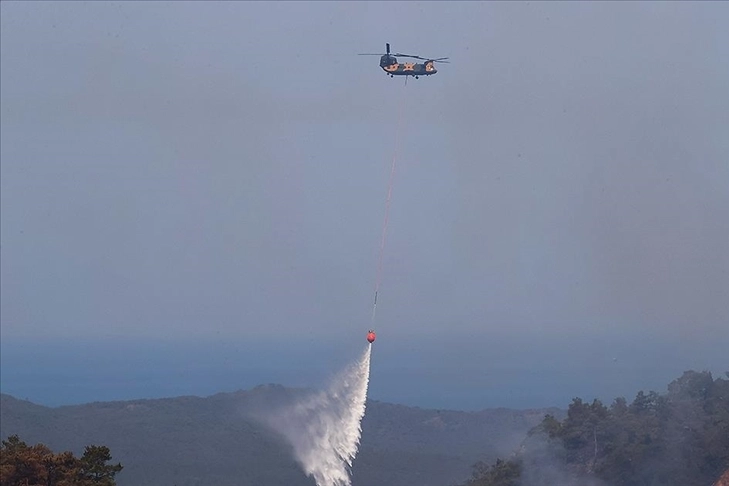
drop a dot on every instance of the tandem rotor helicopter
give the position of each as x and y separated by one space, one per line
389 64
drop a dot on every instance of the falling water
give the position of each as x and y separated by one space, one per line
324 428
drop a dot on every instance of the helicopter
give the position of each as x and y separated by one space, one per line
389 64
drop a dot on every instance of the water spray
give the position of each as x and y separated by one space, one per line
324 428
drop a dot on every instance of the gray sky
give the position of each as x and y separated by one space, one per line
218 171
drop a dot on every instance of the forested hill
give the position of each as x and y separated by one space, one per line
188 441
680 438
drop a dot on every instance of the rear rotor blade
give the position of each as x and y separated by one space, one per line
408 55
440 59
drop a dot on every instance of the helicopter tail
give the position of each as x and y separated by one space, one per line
430 67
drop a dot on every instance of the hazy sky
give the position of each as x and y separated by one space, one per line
216 173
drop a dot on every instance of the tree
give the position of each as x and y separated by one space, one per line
94 469
23 465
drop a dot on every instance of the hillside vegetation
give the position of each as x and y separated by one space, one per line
37 465
680 438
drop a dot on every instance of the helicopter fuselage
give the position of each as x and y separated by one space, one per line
390 65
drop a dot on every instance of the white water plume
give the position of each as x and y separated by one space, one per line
324 428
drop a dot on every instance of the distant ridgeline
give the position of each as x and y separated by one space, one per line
680 438
203 441
677 439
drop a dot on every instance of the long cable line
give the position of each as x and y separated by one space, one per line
395 154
